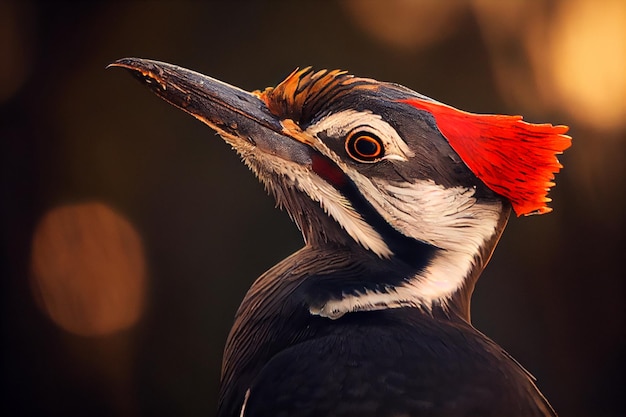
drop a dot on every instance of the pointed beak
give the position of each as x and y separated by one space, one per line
239 116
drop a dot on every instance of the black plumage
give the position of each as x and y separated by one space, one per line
393 362
371 317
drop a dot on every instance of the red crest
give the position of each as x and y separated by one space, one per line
514 158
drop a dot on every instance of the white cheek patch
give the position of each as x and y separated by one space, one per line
339 125
448 218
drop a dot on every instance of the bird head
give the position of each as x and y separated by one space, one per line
379 171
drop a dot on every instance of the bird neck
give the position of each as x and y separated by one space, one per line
441 278
439 267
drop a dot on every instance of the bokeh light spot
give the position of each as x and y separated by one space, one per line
405 24
88 269
589 61
16 48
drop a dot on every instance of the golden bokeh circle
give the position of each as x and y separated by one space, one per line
88 269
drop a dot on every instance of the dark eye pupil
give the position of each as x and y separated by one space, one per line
366 146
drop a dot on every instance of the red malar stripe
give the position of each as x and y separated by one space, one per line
514 158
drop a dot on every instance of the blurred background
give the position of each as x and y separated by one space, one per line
130 232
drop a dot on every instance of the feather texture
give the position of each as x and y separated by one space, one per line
514 158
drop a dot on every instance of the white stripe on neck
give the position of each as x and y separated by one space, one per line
450 219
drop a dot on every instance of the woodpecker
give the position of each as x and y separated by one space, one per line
400 200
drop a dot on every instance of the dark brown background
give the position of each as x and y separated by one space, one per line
121 305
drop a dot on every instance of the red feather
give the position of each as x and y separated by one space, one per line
514 158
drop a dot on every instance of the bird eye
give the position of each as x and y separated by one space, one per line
364 146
